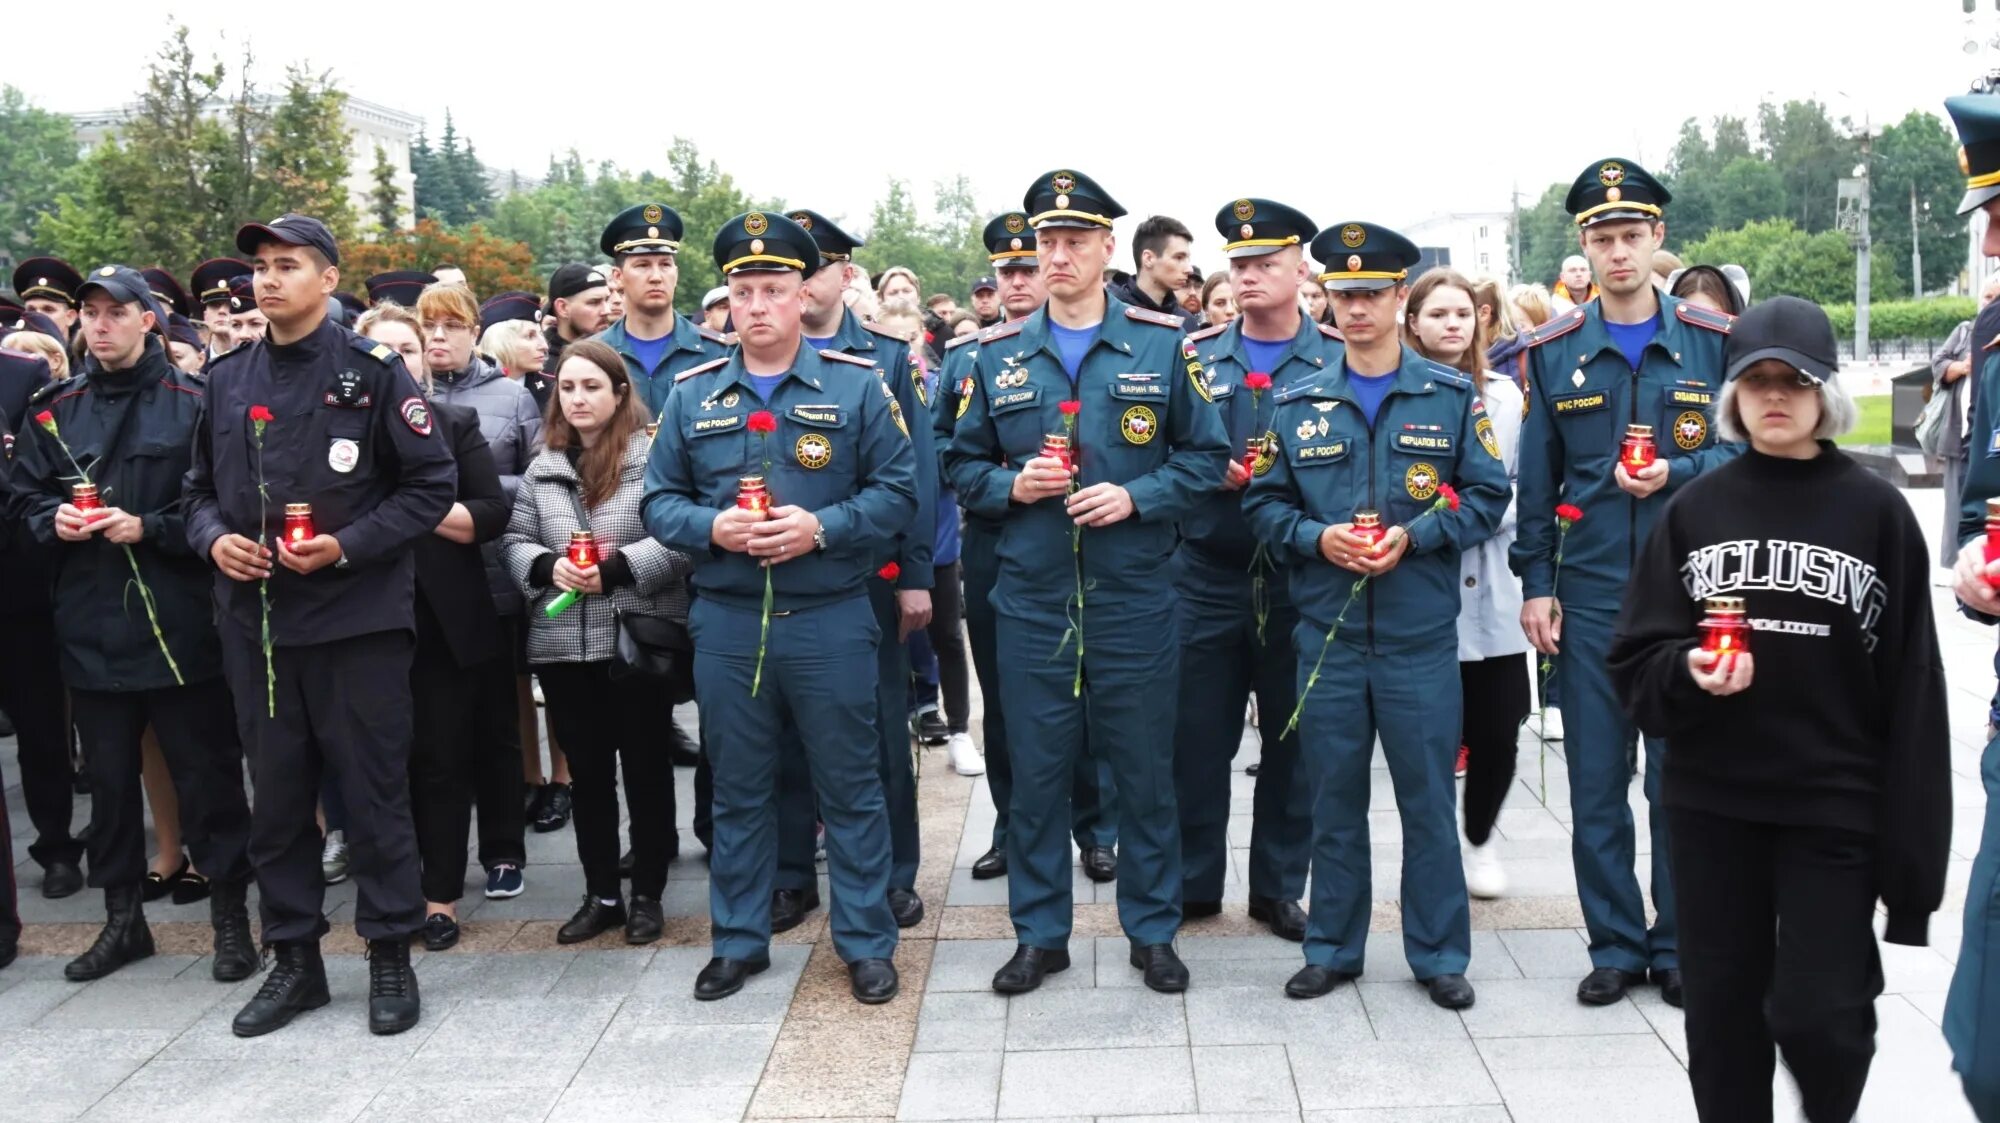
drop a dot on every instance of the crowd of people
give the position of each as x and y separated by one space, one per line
360 543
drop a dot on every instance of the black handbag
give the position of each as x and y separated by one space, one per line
654 651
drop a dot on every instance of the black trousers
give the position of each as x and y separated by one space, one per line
1777 945
497 786
205 759
10 897
31 693
1495 693
343 704
446 744
602 725
947 635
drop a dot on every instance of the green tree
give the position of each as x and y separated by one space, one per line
1783 260
1546 235
945 253
1812 153
38 162
385 201
301 154
1916 155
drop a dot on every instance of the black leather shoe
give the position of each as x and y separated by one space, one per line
594 919
1668 979
1164 970
440 932
10 946
873 981
790 906
1100 863
1606 985
644 921
1028 968
190 889
990 865
235 950
1196 910
1253 769
1449 991
123 939
724 977
906 907
158 886
61 879
1286 919
557 804
1314 981
393 1004
296 983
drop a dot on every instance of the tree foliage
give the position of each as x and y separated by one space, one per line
492 263
945 253
38 160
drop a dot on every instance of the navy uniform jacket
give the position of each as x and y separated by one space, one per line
693 344
898 369
841 450
131 432
21 375
1431 429
1146 422
1581 395
353 437
1218 539
950 401
1982 440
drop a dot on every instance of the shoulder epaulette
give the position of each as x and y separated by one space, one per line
1703 317
1209 332
1560 326
956 340
710 334
380 352
702 369
1157 319
48 390
1448 375
1295 390
1002 331
175 379
1331 332
842 356
15 354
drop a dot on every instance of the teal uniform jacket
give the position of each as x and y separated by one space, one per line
692 346
952 399
1581 396
898 368
841 450
1982 439
1146 422
1431 430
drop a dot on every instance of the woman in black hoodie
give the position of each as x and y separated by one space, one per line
1809 775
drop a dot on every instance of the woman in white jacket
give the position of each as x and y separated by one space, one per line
1442 324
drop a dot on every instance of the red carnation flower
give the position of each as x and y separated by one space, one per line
889 572
1072 408
46 420
1257 380
261 413
1568 511
1450 495
763 422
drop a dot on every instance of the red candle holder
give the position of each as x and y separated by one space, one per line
752 495
582 549
84 498
1056 446
1725 630
298 524
1368 527
1253 451
1993 535
1638 451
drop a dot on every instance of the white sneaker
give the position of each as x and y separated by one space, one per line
1484 877
1549 724
965 759
333 858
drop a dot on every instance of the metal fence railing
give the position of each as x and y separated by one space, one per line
1893 350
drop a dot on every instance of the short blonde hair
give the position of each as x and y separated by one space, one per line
506 343
1532 301
882 282
389 312
1837 412
41 345
448 302
901 316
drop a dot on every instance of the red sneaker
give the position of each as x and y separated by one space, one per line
1458 769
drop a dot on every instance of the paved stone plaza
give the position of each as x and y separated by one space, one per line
516 1028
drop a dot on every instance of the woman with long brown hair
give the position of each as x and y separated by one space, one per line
590 477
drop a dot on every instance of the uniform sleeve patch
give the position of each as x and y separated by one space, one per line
417 415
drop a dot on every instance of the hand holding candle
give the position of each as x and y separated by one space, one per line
1638 452
582 557
298 525
1993 538
1722 664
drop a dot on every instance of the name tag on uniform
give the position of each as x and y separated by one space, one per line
1004 402
1580 403
706 425
1138 376
819 415
1139 390
1690 397
1319 453
1423 442
347 392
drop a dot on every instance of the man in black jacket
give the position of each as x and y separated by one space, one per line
1163 250
136 636
10 912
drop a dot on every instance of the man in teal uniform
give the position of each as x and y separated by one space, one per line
1086 619
841 472
1632 356
1383 430
1235 609
644 243
1010 246
1972 1009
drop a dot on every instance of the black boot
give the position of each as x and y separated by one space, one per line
124 939
393 1005
295 984
10 945
235 950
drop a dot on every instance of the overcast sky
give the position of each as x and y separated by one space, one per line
1387 112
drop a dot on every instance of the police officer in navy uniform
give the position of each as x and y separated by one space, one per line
1235 609
398 286
659 344
48 285
1972 1008
351 435
1147 444
166 289
1633 356
1010 247
13 540
211 290
841 474
125 423
1382 429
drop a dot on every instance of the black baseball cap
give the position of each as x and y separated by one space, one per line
986 284
292 229
1786 328
125 285
575 277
